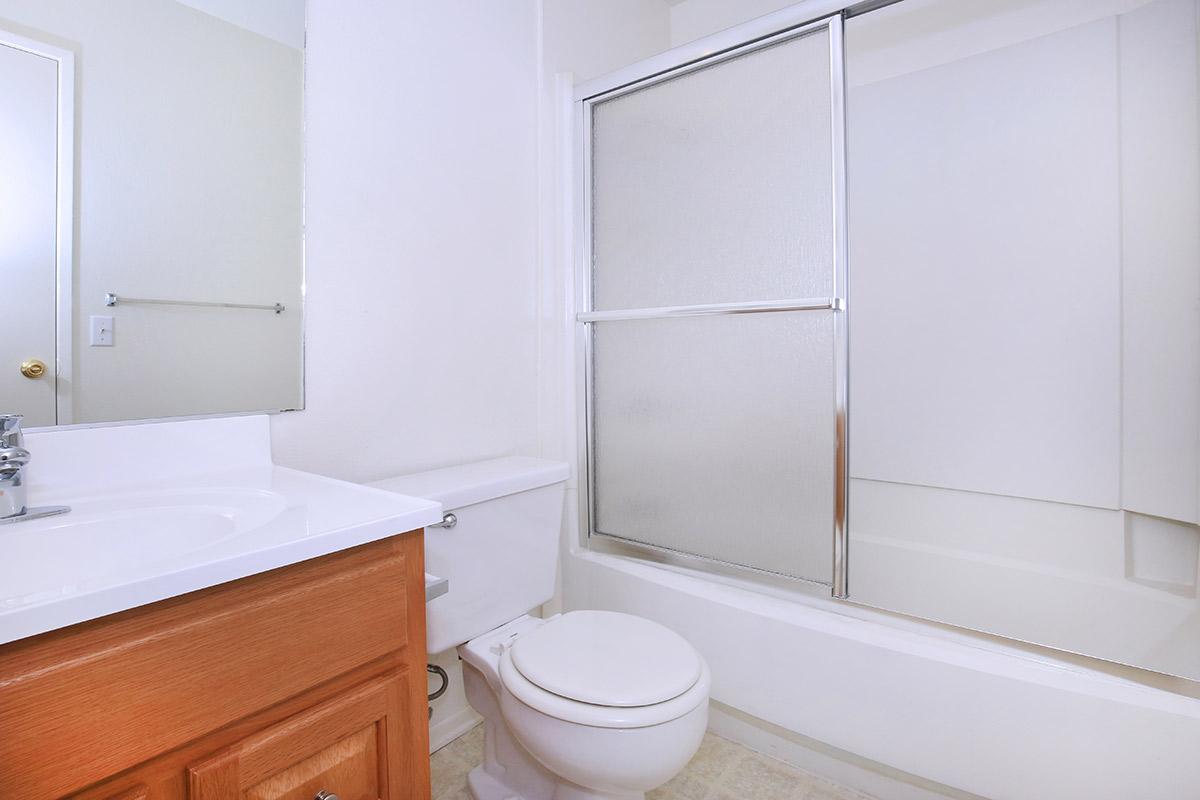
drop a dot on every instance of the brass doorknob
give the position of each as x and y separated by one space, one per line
33 368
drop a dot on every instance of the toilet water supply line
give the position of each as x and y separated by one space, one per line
433 669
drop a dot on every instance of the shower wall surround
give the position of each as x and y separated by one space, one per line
1025 348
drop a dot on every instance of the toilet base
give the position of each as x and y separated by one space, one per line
508 771
483 786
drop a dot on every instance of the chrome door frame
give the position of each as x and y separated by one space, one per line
800 20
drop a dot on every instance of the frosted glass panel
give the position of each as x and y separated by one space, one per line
715 186
1025 347
715 436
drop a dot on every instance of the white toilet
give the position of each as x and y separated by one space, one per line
587 704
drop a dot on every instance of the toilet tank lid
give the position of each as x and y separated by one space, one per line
466 484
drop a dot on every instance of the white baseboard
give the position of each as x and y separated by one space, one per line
452 716
445 731
847 769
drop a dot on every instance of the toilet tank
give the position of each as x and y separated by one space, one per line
501 556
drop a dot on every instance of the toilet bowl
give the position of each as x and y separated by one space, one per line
587 704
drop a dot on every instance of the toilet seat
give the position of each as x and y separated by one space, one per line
607 658
605 669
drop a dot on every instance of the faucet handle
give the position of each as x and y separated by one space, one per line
10 431
12 459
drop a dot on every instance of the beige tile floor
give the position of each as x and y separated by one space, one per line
721 770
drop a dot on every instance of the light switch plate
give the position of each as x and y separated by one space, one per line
100 331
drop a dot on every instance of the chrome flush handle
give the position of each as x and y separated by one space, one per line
449 520
324 795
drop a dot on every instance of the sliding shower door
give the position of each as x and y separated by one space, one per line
713 326
1024 205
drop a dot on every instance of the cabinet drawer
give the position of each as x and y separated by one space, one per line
351 746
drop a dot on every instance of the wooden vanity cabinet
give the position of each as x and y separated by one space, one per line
280 686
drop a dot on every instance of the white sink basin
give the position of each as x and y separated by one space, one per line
163 509
125 531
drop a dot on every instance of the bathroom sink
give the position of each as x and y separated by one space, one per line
123 531
162 509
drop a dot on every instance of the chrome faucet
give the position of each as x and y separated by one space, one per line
13 458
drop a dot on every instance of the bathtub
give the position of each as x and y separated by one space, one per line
943 712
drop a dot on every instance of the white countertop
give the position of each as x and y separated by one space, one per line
126 544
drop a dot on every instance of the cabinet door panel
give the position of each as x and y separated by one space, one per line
355 746
351 765
85 703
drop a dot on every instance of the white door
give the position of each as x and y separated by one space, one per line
28 231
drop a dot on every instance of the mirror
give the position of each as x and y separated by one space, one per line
151 210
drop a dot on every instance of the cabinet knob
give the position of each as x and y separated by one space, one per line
324 795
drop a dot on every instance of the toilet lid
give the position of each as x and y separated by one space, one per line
607 658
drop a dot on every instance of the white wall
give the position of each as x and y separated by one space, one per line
692 19
421 334
188 186
588 38
281 20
